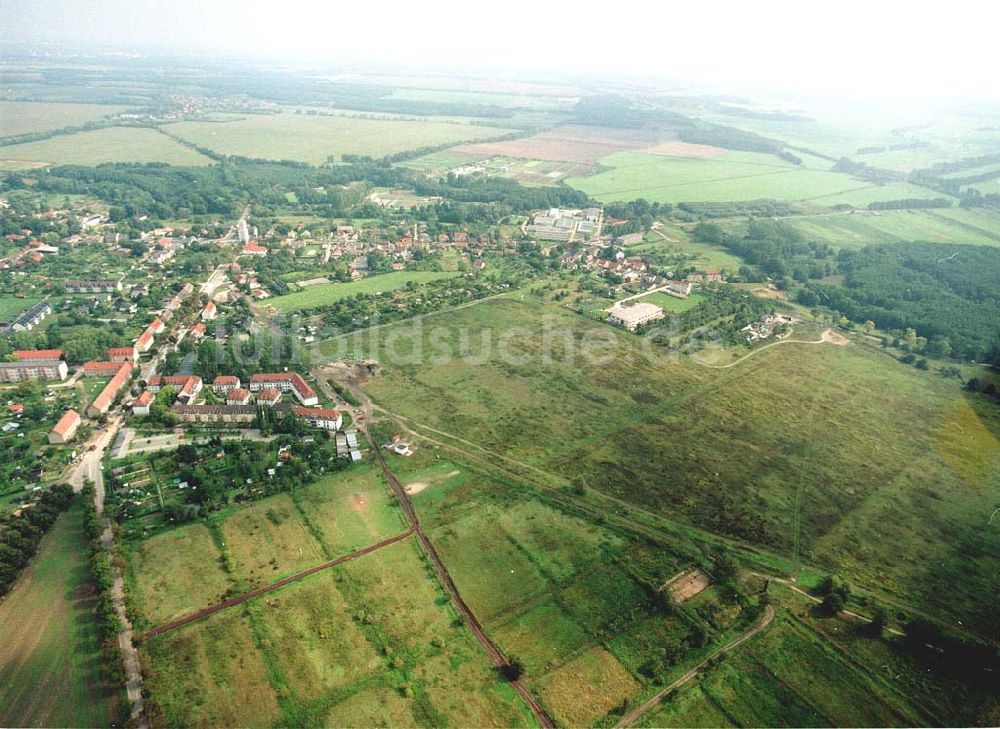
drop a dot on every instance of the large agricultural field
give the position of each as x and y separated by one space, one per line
50 659
112 144
730 176
328 293
315 139
29 117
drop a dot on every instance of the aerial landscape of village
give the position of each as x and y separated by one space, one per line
388 395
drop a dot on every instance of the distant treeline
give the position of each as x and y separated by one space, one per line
167 192
618 112
910 203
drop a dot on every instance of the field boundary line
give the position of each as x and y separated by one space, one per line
257 592
479 632
632 716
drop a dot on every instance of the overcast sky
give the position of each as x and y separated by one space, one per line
877 49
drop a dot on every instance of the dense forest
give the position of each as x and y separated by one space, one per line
947 293
772 249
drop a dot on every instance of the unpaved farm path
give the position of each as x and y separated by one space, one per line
635 714
240 599
498 658
827 337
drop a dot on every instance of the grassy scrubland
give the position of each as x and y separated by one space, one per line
325 294
838 455
113 144
50 660
574 600
29 117
313 139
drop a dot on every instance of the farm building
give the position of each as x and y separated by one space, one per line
633 317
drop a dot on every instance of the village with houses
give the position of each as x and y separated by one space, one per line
125 279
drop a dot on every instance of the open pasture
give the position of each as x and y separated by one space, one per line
315 139
210 673
176 572
31 117
112 144
268 541
673 304
326 294
783 677
351 510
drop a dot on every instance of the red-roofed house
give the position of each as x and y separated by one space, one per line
320 417
156 326
238 396
188 386
285 381
65 429
140 406
209 312
222 384
101 369
123 354
107 396
144 342
198 330
268 396
24 355
253 249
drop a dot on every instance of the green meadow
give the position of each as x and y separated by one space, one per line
329 293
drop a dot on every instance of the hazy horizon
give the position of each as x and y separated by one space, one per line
889 52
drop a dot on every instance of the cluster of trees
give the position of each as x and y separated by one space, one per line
263 351
750 208
165 192
910 203
358 311
775 249
102 573
21 535
211 487
947 294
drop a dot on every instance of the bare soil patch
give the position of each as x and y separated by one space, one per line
358 503
832 337
685 149
687 584
580 145
771 294
417 486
